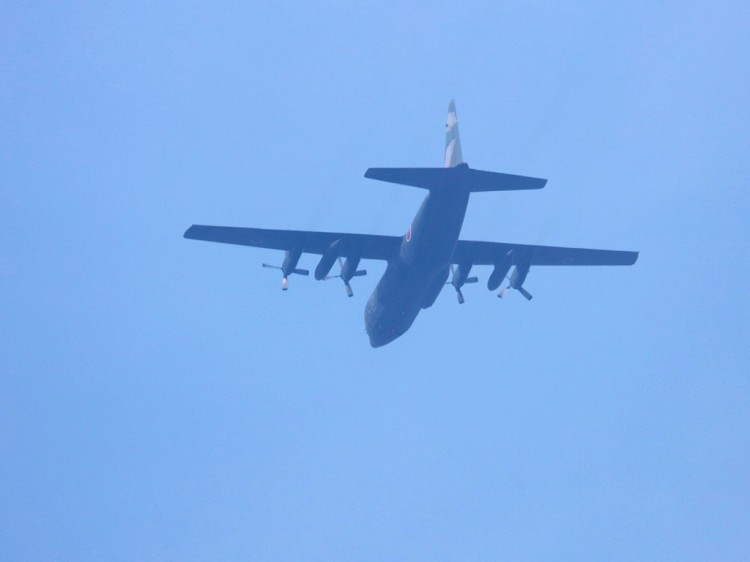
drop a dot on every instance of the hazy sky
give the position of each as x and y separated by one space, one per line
163 399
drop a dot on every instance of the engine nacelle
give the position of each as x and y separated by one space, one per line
289 266
460 275
500 272
327 261
291 259
349 269
519 275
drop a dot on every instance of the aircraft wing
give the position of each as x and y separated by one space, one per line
491 253
366 246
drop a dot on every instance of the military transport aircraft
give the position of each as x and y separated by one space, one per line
419 262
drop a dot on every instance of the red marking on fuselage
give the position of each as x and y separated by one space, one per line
408 235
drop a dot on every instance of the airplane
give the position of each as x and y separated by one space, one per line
419 262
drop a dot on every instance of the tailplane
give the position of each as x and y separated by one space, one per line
456 174
458 177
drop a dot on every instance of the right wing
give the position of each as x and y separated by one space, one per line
365 246
492 253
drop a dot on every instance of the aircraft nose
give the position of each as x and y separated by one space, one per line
380 327
376 334
380 336
377 341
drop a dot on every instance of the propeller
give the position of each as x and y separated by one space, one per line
516 281
289 266
285 278
528 296
348 271
458 280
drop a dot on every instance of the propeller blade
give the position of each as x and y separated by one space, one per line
525 293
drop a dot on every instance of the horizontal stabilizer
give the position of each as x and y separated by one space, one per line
458 177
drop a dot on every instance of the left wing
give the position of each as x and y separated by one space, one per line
366 246
492 253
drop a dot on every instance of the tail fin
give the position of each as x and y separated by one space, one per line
456 174
453 156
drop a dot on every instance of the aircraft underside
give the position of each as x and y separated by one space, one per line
420 262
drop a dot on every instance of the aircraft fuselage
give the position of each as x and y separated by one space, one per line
419 262
414 278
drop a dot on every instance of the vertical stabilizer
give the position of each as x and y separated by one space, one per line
453 156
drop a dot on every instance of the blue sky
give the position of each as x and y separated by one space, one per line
162 399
